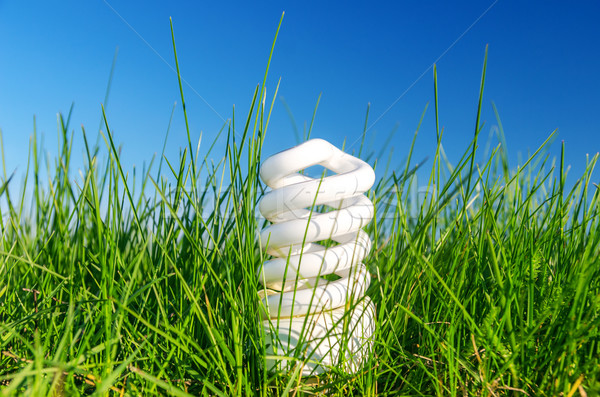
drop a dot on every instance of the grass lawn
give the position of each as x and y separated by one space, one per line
113 283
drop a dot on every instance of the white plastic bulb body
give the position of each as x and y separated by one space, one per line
308 317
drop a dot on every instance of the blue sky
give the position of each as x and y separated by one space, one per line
542 72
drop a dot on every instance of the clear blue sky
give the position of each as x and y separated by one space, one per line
542 71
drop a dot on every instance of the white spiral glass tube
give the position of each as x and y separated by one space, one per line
307 315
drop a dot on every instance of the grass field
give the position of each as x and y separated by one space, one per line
112 283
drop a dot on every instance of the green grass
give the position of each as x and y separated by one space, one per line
110 283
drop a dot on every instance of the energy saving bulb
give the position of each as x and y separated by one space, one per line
314 304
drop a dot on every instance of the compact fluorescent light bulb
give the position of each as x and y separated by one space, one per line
314 304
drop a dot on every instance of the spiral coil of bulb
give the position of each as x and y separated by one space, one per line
307 315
